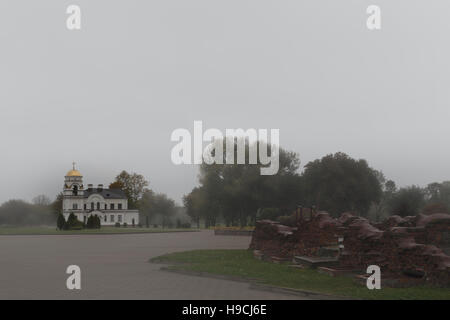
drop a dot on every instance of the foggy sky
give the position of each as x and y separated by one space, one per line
110 95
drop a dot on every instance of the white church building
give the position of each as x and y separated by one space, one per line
111 205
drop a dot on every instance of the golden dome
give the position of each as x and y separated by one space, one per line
73 173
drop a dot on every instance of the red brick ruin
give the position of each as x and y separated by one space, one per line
417 246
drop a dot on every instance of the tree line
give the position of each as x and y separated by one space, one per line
237 195
40 211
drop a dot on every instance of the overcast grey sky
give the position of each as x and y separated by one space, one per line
109 96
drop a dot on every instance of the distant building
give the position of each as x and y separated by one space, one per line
111 205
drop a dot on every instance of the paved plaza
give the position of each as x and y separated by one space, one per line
115 267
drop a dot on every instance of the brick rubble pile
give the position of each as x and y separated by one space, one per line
411 245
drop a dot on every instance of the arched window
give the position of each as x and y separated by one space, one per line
75 190
92 206
98 205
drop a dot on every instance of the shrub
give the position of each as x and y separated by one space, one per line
60 221
186 225
93 222
78 225
97 222
117 225
73 223
90 222
125 224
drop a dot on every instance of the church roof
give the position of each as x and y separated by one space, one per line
73 173
106 193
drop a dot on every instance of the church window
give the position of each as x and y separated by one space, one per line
75 190
119 218
112 206
119 206
106 206
106 218
98 205
111 218
92 206
85 206
75 206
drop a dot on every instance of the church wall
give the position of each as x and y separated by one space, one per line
127 217
69 202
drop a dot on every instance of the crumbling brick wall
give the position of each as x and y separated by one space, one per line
320 231
395 251
273 239
396 245
425 229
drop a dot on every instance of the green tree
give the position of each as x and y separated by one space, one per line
380 210
407 201
194 203
73 223
154 206
96 222
165 209
337 183
57 204
41 200
134 186
437 196
147 206
60 223
22 213
90 222
236 192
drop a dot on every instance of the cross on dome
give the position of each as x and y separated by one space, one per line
74 172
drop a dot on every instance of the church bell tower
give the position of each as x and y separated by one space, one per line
73 183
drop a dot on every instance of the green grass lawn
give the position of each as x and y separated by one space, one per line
241 263
103 230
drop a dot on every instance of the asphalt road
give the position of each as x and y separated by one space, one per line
114 267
